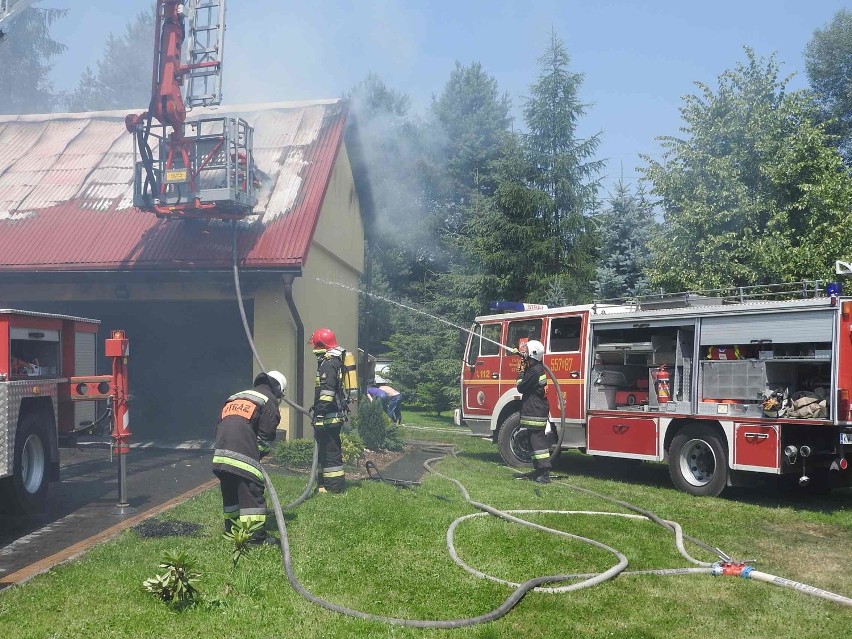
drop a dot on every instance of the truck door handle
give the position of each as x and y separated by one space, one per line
756 436
575 374
480 363
495 375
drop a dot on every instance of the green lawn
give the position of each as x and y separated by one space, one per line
382 550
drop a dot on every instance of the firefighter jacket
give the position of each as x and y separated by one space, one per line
534 406
246 432
329 402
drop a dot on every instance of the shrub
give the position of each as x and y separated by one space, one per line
372 424
393 438
298 453
353 448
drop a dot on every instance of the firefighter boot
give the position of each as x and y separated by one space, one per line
542 477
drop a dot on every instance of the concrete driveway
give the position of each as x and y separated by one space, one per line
80 511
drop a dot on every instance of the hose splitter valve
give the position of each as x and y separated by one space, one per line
730 569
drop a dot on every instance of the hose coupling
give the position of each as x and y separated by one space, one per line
791 453
730 569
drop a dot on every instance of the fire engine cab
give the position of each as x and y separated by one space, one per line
721 391
39 352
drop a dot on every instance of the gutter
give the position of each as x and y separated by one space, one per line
300 352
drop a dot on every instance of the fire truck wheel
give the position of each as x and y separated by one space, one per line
698 464
27 488
514 443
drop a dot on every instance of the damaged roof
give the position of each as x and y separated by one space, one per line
66 194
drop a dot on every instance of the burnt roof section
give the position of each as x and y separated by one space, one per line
66 194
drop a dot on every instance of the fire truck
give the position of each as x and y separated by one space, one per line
723 392
49 394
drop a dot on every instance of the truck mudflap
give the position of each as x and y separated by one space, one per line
12 395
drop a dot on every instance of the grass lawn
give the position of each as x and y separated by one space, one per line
382 550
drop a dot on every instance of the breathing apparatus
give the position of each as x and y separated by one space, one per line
325 344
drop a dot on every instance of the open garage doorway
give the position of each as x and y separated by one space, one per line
186 358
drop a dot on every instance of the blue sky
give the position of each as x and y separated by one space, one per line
638 58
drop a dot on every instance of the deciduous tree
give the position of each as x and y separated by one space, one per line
752 192
828 61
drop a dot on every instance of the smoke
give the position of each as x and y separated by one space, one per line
397 149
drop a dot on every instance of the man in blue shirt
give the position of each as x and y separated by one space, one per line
390 398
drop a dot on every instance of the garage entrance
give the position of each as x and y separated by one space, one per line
186 358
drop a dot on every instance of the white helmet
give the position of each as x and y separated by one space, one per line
279 380
535 349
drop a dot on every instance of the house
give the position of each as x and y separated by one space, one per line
71 241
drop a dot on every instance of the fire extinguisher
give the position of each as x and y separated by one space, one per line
661 384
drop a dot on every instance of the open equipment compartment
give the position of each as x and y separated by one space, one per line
628 358
743 358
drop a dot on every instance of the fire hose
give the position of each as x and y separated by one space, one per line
723 567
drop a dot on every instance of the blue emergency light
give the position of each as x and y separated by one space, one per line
515 306
834 289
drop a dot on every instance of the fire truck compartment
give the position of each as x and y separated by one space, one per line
34 352
627 361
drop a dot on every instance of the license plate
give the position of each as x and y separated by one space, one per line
846 438
175 175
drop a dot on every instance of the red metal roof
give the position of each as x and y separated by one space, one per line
66 194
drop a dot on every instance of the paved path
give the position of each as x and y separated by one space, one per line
80 506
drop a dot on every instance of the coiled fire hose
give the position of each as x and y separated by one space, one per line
724 567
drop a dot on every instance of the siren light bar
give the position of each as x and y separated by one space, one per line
516 306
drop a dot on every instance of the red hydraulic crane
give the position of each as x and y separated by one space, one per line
203 168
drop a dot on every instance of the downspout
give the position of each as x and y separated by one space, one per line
300 352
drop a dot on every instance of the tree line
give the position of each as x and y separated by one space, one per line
469 206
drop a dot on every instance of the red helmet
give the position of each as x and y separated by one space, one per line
323 338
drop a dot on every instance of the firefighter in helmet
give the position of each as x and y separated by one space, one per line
243 437
532 381
329 409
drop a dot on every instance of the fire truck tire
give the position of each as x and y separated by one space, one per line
26 490
698 463
514 443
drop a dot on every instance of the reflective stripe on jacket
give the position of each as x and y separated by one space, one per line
534 406
244 433
328 405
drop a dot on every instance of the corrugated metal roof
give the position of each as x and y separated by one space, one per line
66 193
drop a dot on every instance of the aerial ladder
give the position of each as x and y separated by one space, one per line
199 168
8 10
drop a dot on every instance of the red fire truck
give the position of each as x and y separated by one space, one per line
48 391
720 391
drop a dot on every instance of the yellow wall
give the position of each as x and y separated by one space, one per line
336 255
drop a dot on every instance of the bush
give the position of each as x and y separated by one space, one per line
298 453
372 423
393 438
353 448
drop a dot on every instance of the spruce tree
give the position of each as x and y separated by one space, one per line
26 52
626 227
565 168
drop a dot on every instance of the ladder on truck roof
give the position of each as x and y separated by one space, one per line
204 44
725 296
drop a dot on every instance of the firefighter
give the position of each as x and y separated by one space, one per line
532 381
243 437
329 409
